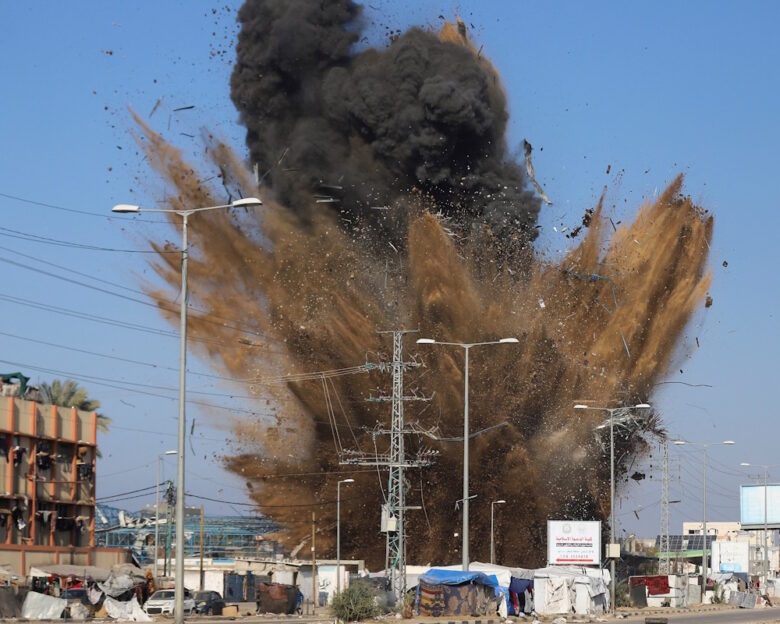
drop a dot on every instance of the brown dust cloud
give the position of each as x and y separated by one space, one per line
392 202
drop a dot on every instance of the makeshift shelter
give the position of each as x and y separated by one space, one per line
519 599
276 598
658 591
455 592
42 607
560 590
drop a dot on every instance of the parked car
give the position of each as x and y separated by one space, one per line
209 602
162 602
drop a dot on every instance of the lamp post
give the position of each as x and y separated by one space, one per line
338 532
766 468
247 202
466 347
611 411
157 512
492 542
704 446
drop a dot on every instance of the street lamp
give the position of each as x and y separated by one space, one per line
492 542
246 202
466 347
157 512
766 468
611 411
338 532
704 446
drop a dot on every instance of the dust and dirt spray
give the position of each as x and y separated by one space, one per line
428 223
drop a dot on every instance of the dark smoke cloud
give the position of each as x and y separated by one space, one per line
422 114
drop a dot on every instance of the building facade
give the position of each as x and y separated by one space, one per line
47 486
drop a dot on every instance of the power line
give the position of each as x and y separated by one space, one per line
164 433
76 377
119 358
196 309
112 322
150 304
45 240
151 487
262 506
73 210
119 500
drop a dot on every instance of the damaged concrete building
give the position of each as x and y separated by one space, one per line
47 499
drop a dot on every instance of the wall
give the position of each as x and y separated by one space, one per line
326 580
47 475
213 580
22 558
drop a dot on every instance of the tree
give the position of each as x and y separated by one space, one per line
70 394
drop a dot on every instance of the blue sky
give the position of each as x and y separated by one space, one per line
651 89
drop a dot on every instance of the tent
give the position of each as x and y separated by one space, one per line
559 590
517 600
458 592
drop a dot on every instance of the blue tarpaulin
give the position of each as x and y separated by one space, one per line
518 586
457 577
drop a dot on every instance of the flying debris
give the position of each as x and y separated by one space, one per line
529 167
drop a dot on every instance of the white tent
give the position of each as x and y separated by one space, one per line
559 590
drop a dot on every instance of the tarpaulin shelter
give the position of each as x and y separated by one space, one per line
519 602
276 598
658 590
42 607
520 597
581 590
458 592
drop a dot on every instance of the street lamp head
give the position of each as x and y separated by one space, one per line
426 341
170 453
126 208
728 442
499 502
509 340
679 442
348 481
642 406
745 464
580 406
247 202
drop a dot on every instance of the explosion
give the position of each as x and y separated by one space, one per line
391 202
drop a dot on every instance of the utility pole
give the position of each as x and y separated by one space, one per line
663 542
201 548
168 501
393 512
313 564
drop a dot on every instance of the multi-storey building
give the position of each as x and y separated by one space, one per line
47 487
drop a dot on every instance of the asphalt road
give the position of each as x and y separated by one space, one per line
726 616
768 615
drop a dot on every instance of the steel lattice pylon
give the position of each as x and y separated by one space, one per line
663 541
395 460
395 562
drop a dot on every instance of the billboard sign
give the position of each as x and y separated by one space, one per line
751 498
731 556
573 542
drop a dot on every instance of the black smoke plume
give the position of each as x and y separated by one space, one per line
367 128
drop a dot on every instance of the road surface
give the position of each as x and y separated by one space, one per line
768 615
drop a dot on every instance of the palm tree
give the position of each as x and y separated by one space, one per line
70 394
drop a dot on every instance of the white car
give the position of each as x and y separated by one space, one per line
162 601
